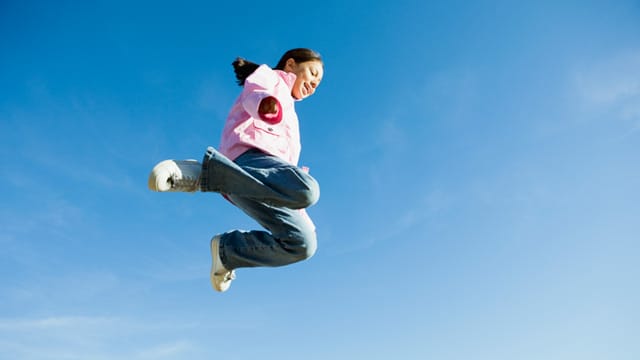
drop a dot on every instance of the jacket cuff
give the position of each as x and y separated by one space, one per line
272 118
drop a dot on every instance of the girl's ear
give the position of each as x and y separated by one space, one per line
290 65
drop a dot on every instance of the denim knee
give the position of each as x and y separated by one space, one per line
301 246
310 195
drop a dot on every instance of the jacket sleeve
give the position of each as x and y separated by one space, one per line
257 87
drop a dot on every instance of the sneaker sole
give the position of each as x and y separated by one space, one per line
159 177
220 286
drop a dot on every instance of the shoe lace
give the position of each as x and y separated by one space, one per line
183 182
229 276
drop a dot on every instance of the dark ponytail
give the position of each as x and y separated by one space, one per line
243 68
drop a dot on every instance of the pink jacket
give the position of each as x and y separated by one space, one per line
277 134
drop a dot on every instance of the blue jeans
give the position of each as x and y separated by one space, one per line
272 192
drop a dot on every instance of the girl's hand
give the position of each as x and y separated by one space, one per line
270 110
268 105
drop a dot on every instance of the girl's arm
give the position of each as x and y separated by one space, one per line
258 95
270 110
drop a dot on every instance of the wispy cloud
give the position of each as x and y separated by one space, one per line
91 337
34 223
612 86
52 323
420 213
610 81
174 349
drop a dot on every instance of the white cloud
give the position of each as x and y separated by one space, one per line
611 87
392 135
53 323
163 351
91 337
610 81
426 208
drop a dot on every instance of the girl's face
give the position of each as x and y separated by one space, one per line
308 77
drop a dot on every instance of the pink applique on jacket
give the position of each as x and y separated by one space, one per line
276 134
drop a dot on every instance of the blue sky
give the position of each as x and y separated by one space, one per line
478 162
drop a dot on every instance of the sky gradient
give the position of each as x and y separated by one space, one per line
478 163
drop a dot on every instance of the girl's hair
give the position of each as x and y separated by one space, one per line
243 68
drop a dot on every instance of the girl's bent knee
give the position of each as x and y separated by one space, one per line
302 248
310 248
311 194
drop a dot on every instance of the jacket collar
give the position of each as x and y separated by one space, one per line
289 78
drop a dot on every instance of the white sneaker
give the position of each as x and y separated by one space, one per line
175 175
220 277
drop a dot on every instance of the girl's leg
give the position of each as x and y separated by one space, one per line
273 193
290 237
259 176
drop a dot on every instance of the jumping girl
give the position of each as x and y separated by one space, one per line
256 168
